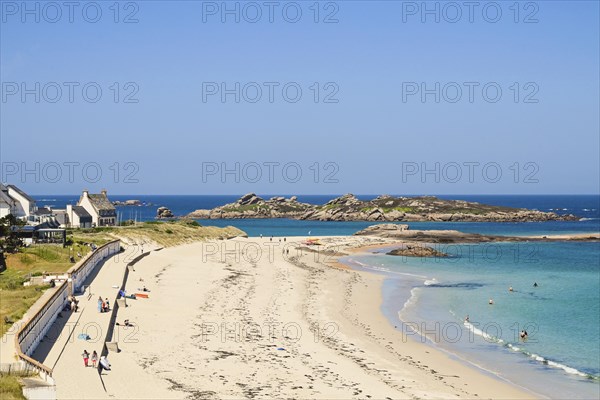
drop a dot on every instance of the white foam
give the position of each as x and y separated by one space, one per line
479 332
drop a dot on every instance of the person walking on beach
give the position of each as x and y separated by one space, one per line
86 357
94 358
100 308
107 304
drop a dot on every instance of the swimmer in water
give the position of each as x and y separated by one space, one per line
535 284
510 289
491 301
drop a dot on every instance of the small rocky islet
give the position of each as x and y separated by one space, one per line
381 209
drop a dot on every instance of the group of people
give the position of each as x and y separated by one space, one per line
271 238
523 334
103 305
510 289
86 358
73 303
104 364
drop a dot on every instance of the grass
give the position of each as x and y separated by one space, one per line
10 388
389 209
15 299
173 233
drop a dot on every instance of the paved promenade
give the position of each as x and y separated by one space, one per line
62 348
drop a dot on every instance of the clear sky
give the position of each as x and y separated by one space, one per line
398 93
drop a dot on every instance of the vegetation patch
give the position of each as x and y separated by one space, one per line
10 388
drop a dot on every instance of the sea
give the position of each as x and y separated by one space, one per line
555 294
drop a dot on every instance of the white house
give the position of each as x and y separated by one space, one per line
102 211
78 217
7 203
16 202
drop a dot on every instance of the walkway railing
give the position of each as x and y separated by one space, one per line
33 330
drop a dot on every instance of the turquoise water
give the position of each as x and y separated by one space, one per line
561 314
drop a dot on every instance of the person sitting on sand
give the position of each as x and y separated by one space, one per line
145 289
107 304
126 323
104 363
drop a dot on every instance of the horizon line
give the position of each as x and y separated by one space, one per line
332 194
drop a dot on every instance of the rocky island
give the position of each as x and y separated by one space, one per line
416 251
383 208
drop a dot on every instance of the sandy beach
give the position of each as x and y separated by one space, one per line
243 318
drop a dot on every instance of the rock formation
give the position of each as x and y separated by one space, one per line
163 213
384 208
416 251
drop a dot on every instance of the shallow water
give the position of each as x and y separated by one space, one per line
562 351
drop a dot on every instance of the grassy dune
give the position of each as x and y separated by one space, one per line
167 234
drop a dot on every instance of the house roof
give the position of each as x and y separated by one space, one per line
43 211
6 199
101 202
22 193
62 218
81 212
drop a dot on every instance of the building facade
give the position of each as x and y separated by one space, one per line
78 217
16 202
102 211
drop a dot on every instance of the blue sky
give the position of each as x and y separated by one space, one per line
543 137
